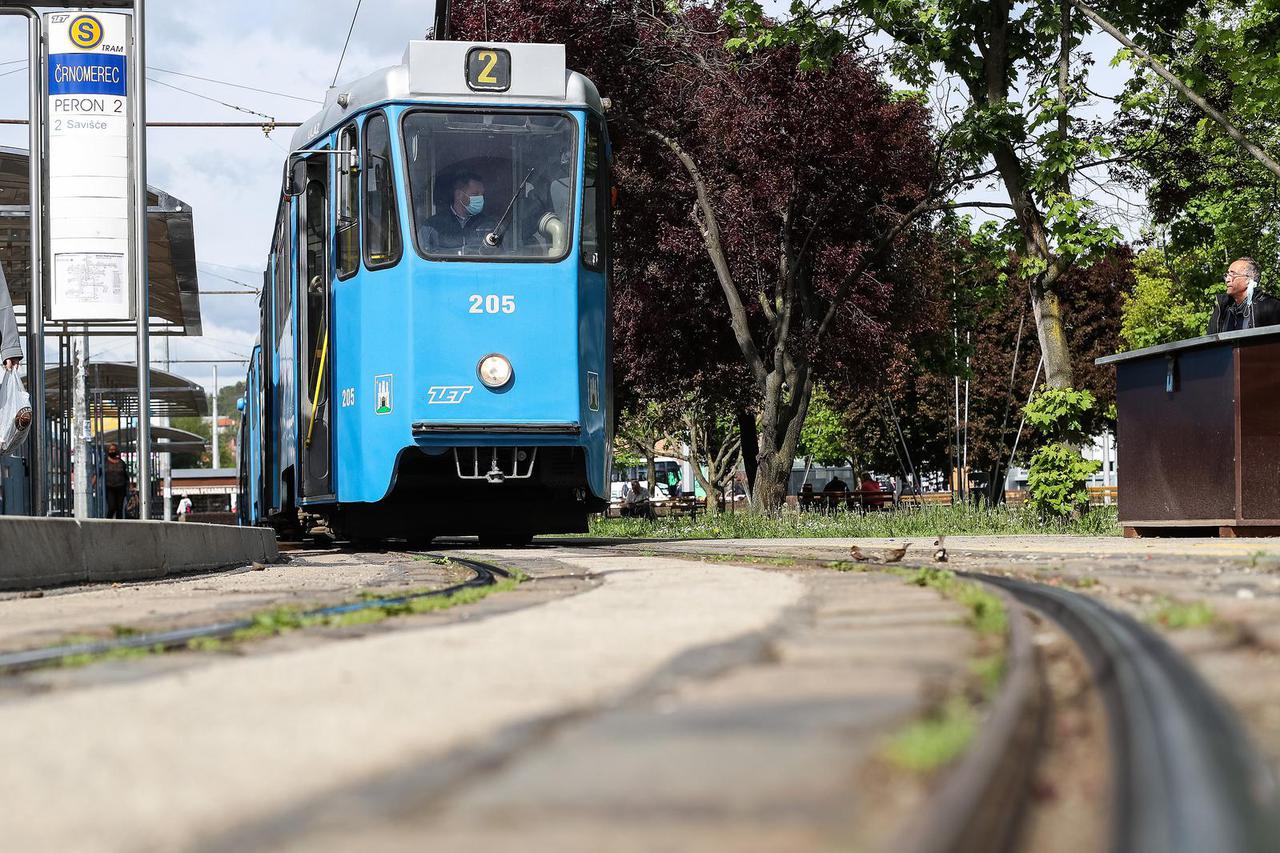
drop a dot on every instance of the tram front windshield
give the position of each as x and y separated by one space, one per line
491 185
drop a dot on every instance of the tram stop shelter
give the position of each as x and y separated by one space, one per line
174 303
112 403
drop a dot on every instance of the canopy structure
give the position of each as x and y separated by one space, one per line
112 388
163 440
171 256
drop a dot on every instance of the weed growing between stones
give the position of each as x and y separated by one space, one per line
281 620
1175 614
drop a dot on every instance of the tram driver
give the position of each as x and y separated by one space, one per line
464 224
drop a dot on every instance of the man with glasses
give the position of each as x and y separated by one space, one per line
1243 305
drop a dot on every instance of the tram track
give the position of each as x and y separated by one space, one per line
12 663
1185 776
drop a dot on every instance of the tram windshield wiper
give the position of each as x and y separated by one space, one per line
494 237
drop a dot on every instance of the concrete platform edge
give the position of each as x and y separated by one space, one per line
45 552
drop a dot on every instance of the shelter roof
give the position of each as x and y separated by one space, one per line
163 440
114 386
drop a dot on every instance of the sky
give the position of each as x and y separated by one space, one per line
231 177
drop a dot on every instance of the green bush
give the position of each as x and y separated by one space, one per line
1058 478
1057 482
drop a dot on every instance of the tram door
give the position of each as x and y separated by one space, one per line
315 339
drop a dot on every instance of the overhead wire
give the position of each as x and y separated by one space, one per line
271 118
350 30
233 85
234 280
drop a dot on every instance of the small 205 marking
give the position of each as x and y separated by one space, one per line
492 304
348 397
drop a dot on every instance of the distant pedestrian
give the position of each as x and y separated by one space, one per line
10 344
115 475
184 508
873 496
635 501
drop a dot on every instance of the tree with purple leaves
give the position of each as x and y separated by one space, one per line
775 224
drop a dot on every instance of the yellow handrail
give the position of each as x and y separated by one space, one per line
315 398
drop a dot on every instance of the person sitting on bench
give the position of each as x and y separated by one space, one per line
635 501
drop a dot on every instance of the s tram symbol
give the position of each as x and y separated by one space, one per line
86 32
382 394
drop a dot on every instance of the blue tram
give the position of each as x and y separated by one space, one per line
435 343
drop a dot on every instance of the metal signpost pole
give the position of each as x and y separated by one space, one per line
214 431
138 102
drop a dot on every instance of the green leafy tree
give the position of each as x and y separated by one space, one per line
1210 200
825 437
1162 306
1021 112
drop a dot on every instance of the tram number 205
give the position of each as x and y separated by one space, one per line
492 304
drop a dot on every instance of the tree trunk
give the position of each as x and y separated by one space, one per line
770 492
1053 336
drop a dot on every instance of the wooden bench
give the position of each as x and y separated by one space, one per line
855 499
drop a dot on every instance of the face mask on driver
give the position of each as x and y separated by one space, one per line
475 205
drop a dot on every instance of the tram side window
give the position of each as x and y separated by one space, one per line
381 218
347 220
592 190
283 300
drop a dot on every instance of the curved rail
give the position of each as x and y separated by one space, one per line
1186 778
14 662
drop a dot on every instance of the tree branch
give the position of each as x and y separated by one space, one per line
1183 89
715 248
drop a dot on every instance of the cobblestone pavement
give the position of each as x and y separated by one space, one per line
628 698
654 702
1157 580
313 579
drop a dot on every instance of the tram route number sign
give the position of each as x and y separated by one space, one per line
489 69
90 165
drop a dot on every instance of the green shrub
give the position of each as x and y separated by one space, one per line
1057 483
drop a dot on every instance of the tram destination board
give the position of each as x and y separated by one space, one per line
90 156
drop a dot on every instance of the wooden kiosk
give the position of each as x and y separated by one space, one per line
1198 436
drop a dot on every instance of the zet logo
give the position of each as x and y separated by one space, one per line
449 395
382 394
86 31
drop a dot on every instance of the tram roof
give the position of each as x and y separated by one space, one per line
434 72
171 253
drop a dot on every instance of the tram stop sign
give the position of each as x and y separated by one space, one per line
90 166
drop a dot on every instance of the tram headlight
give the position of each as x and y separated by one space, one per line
495 370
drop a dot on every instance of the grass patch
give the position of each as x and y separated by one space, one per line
1176 614
935 740
929 520
986 611
989 670
281 620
